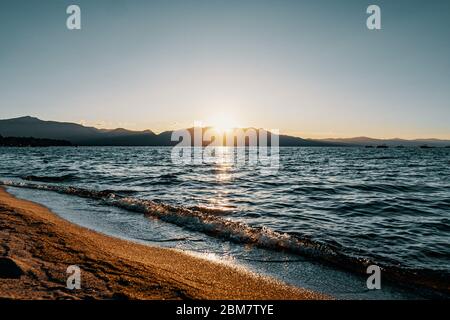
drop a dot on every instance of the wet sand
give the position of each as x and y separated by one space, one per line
37 246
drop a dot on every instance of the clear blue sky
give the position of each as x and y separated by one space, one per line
308 68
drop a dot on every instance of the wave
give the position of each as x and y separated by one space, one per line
213 211
62 178
385 188
171 239
164 179
217 226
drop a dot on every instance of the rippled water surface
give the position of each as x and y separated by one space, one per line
348 206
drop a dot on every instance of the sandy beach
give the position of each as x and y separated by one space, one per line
37 246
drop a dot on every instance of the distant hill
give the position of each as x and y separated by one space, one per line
90 136
77 134
366 141
31 142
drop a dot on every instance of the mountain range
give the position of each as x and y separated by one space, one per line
89 136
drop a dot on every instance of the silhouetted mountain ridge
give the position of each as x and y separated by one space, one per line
90 136
77 134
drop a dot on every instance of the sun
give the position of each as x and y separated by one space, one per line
223 123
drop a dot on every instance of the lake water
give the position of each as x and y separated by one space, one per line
317 222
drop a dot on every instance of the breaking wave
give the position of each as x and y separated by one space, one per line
213 223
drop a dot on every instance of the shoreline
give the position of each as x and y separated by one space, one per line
37 246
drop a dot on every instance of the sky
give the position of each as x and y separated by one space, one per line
308 68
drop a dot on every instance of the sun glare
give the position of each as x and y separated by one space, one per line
223 123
